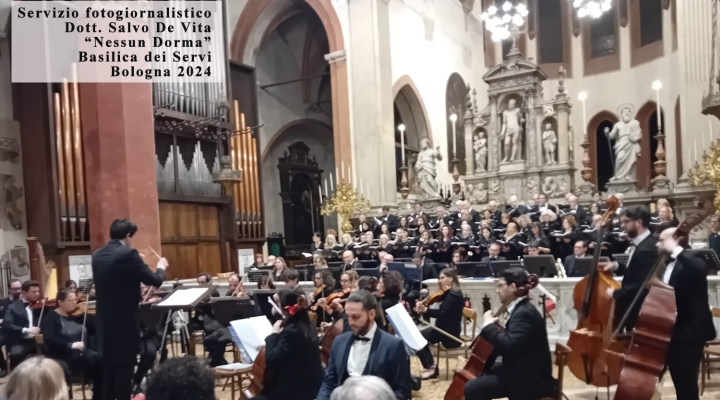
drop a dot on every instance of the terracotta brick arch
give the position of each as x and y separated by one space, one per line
257 17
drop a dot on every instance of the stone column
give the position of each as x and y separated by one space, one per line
373 139
119 145
469 151
563 150
493 132
530 127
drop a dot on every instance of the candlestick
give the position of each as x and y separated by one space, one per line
401 127
332 186
326 191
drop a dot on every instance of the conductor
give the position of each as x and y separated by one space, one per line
118 270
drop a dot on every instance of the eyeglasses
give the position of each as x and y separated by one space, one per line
500 284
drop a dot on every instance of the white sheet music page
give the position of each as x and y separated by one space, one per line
250 334
184 297
406 328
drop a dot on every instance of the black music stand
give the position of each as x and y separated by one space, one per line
712 263
543 265
468 269
254 276
584 265
262 306
622 260
500 266
368 272
228 309
176 302
306 271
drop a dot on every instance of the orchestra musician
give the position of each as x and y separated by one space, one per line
366 350
71 285
448 318
634 221
234 285
20 325
526 370
292 358
427 266
350 261
694 324
150 341
66 342
292 278
493 254
14 293
579 251
118 270
324 285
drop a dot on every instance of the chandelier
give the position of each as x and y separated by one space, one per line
592 8
502 22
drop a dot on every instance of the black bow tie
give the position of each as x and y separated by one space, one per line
492 258
360 338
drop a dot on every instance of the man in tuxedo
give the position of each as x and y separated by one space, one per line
118 270
577 210
366 350
20 325
635 221
429 270
694 323
493 254
714 239
526 370
579 251
386 218
350 261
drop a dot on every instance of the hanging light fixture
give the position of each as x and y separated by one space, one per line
501 22
592 8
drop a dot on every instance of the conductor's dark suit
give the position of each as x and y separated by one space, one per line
118 271
388 360
693 326
642 260
526 370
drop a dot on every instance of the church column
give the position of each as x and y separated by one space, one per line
119 144
530 127
373 139
563 150
493 132
469 151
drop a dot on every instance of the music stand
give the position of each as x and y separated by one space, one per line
181 299
622 260
396 266
712 263
583 265
368 263
468 269
228 309
542 265
500 266
368 272
306 271
254 276
262 306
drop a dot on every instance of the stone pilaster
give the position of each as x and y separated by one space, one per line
493 131
563 150
531 128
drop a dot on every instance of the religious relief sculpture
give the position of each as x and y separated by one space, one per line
554 186
549 138
478 194
494 186
627 135
13 194
511 132
426 170
480 146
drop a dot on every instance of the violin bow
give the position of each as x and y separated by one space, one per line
151 290
86 291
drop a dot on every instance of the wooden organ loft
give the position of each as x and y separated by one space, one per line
201 227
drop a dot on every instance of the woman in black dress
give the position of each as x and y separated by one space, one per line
66 342
292 357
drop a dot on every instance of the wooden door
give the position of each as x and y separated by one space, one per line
190 238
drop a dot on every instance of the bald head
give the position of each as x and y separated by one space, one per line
668 244
348 257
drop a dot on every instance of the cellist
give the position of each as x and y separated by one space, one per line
526 371
694 324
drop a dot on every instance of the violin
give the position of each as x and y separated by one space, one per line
588 362
647 353
344 294
481 359
435 297
318 291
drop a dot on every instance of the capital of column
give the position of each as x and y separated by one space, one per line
336 56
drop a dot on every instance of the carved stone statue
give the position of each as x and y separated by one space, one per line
425 168
511 132
480 146
627 135
553 186
549 139
478 194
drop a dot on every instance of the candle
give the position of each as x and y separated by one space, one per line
361 186
349 174
332 186
367 192
336 172
320 192
659 119
695 144
454 140
342 169
326 191
402 142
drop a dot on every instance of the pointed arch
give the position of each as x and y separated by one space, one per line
455 101
647 117
595 133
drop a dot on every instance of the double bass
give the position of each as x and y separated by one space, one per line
593 334
481 358
647 353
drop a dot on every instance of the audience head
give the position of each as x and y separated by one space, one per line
440 211
418 208
123 230
542 198
330 240
385 210
37 378
30 291
596 197
279 264
71 285
494 250
204 279
292 277
320 262
569 222
635 220
388 258
186 378
533 249
363 388
15 288
67 300
271 260
548 216
317 237
509 282
360 309
597 220
665 213
392 284
573 201
580 248
259 259
492 205
348 257
457 256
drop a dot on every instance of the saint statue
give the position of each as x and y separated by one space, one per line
549 139
425 168
481 152
627 135
511 132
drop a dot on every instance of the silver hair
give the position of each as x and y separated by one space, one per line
363 388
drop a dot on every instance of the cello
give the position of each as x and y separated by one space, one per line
592 336
646 355
481 358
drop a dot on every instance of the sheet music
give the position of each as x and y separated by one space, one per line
250 333
184 297
406 328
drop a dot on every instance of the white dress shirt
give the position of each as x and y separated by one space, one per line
636 242
360 352
669 269
510 309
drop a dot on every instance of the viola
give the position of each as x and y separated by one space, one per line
645 359
480 359
588 361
